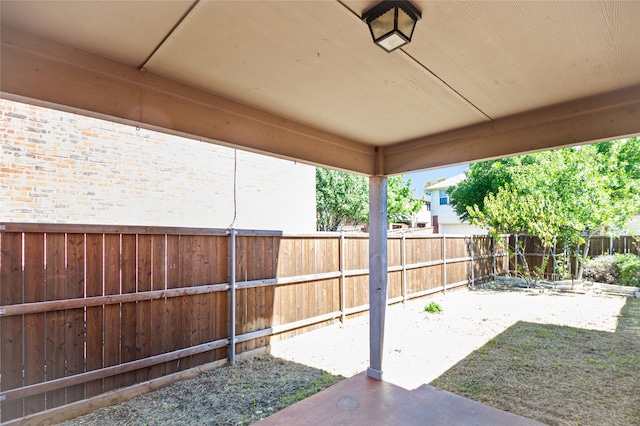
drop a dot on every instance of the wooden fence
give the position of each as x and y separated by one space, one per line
85 310
562 262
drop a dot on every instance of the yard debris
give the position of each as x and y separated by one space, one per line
566 286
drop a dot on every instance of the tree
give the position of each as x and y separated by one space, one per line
401 203
343 199
578 191
482 179
429 183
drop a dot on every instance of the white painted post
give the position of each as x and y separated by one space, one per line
377 272
343 305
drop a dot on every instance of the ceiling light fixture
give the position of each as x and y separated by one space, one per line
392 23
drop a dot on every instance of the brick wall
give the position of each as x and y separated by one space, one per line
58 167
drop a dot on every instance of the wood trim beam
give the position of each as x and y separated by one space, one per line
38 70
608 116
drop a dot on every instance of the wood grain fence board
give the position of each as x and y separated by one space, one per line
94 315
159 342
284 298
266 296
34 324
256 270
263 267
74 318
242 313
416 280
112 325
222 325
186 280
269 292
55 327
215 276
394 284
433 278
249 246
329 261
173 305
205 323
143 308
129 326
306 258
11 327
394 252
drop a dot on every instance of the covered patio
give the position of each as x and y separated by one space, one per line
303 80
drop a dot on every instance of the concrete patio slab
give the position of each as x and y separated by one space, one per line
361 400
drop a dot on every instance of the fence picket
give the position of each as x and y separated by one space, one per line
11 327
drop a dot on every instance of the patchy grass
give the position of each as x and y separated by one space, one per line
238 395
557 375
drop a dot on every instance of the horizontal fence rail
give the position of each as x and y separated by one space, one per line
86 310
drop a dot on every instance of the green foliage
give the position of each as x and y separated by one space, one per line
568 194
629 266
343 199
433 308
429 183
402 204
621 269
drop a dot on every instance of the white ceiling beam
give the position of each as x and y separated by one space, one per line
604 117
40 70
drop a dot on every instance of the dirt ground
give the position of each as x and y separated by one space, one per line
419 347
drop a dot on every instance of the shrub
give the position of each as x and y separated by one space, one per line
433 308
629 266
601 269
621 269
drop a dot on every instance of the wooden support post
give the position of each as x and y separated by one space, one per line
377 272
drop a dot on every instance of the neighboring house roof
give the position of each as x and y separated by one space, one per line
448 182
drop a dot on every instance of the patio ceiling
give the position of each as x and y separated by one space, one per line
303 80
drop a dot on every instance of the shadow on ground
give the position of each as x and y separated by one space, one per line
557 375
